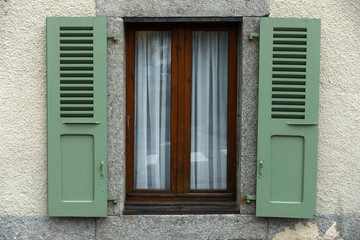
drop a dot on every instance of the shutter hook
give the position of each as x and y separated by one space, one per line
113 36
253 35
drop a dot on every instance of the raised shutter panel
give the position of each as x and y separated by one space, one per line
288 117
76 116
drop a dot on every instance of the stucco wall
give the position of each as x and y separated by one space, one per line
23 100
339 119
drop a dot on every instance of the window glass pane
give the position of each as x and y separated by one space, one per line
209 101
152 109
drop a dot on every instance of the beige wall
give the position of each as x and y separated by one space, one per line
23 100
339 124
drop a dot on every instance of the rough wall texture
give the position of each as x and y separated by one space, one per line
339 132
23 100
247 112
182 8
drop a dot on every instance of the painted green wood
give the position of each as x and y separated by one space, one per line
77 116
287 118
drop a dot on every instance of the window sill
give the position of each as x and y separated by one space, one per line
137 207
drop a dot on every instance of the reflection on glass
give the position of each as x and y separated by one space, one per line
152 109
209 101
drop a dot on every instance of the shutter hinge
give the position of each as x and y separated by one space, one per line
113 36
250 198
253 35
113 198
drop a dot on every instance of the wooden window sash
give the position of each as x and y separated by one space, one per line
181 111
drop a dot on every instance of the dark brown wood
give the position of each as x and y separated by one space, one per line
187 104
130 86
177 198
143 201
189 195
232 108
181 209
174 108
179 203
181 112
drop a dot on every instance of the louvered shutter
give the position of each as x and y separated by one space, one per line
76 116
288 116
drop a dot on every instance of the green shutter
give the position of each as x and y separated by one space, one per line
288 117
76 116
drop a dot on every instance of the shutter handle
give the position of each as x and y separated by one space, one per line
302 124
102 169
84 122
261 166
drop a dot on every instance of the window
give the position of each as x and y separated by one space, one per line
181 129
181 117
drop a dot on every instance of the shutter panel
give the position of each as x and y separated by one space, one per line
288 116
76 115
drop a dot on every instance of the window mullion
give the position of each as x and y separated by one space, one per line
174 109
187 106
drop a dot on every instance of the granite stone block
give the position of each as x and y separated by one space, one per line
182 8
42 227
116 115
247 111
181 227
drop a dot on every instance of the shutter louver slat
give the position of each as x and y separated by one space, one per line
73 60
76 86
288 101
84 54
77 101
76 65
288 61
285 67
76 34
285 87
289 54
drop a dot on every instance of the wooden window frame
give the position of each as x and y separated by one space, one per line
179 198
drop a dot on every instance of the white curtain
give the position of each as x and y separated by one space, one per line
209 100
152 110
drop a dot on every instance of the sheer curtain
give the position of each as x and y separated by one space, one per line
152 110
209 100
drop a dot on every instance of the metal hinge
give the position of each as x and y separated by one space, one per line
253 35
250 198
113 36
113 198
